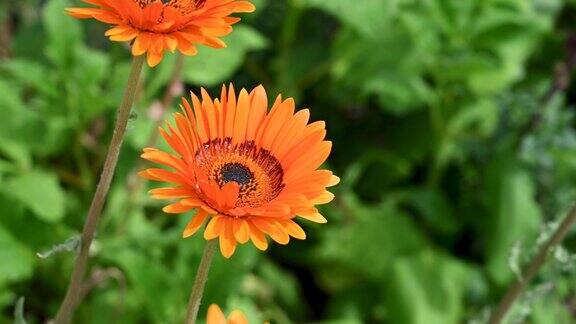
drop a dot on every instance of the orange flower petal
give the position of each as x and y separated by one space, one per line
244 6
177 208
269 227
324 198
163 175
154 58
241 230
214 228
293 229
215 315
227 240
230 193
278 118
142 43
314 217
257 237
195 224
169 193
237 317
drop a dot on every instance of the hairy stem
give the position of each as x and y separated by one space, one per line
516 289
75 286
200 281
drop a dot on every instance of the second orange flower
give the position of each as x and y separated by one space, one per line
157 26
248 170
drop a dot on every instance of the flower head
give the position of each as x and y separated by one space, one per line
160 25
216 316
249 171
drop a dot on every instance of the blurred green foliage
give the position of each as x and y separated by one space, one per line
453 129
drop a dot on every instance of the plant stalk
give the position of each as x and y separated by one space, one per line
200 281
516 289
75 286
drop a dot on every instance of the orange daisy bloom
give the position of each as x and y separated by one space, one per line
249 171
216 316
160 25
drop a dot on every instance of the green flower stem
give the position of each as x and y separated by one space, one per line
200 281
516 289
75 286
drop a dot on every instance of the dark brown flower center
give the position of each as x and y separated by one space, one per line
258 173
184 6
236 172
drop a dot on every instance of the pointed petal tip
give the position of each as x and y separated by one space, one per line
245 6
334 180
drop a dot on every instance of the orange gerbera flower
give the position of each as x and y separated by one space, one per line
216 316
160 25
249 170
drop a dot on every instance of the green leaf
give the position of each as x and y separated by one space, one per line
18 260
14 115
549 310
148 278
214 66
481 116
353 245
89 98
427 288
63 32
390 168
369 19
16 151
24 125
6 297
514 215
31 74
40 192
395 76
435 208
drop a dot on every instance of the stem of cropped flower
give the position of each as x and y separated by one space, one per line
200 281
516 289
75 286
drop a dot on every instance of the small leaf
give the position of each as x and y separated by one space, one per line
19 312
70 245
133 116
514 213
18 262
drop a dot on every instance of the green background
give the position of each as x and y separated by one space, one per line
454 135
